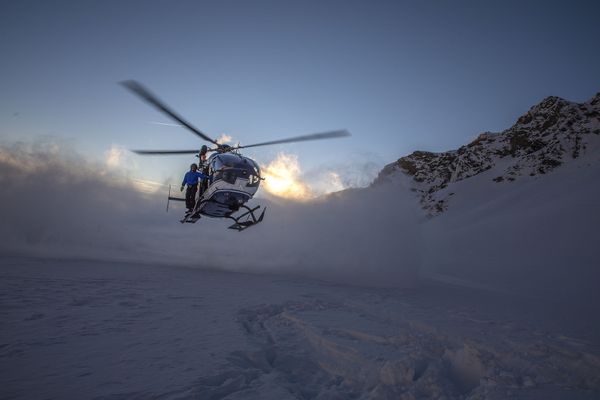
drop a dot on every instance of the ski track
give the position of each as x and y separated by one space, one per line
96 330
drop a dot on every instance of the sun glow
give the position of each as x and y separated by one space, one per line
224 138
115 156
282 178
146 186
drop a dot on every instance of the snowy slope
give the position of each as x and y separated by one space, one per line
538 236
517 210
553 133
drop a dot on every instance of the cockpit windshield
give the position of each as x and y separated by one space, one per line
230 167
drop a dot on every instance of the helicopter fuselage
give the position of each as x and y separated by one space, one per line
233 180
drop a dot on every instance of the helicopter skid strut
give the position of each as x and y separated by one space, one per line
250 218
242 221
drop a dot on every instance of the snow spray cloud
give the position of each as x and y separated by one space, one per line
224 138
284 177
55 202
360 236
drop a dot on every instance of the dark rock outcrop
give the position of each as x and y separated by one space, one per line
548 135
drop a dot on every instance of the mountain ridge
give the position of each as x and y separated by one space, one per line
553 132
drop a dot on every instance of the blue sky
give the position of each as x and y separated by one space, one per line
400 75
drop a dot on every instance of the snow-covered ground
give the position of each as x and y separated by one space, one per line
358 295
537 236
85 329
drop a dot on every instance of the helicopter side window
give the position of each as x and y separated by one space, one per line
229 168
222 169
254 175
217 167
256 168
228 175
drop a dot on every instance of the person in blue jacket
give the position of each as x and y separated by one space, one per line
191 180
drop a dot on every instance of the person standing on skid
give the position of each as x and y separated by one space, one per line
191 180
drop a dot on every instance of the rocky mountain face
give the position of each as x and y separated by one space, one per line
550 134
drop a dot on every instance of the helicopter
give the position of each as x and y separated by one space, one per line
233 179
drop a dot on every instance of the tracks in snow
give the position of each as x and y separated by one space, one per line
317 349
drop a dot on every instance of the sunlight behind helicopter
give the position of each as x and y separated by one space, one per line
283 175
283 178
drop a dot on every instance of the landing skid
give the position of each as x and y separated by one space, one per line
250 219
242 221
190 217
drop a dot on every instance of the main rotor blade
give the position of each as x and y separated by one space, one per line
314 136
155 152
145 94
